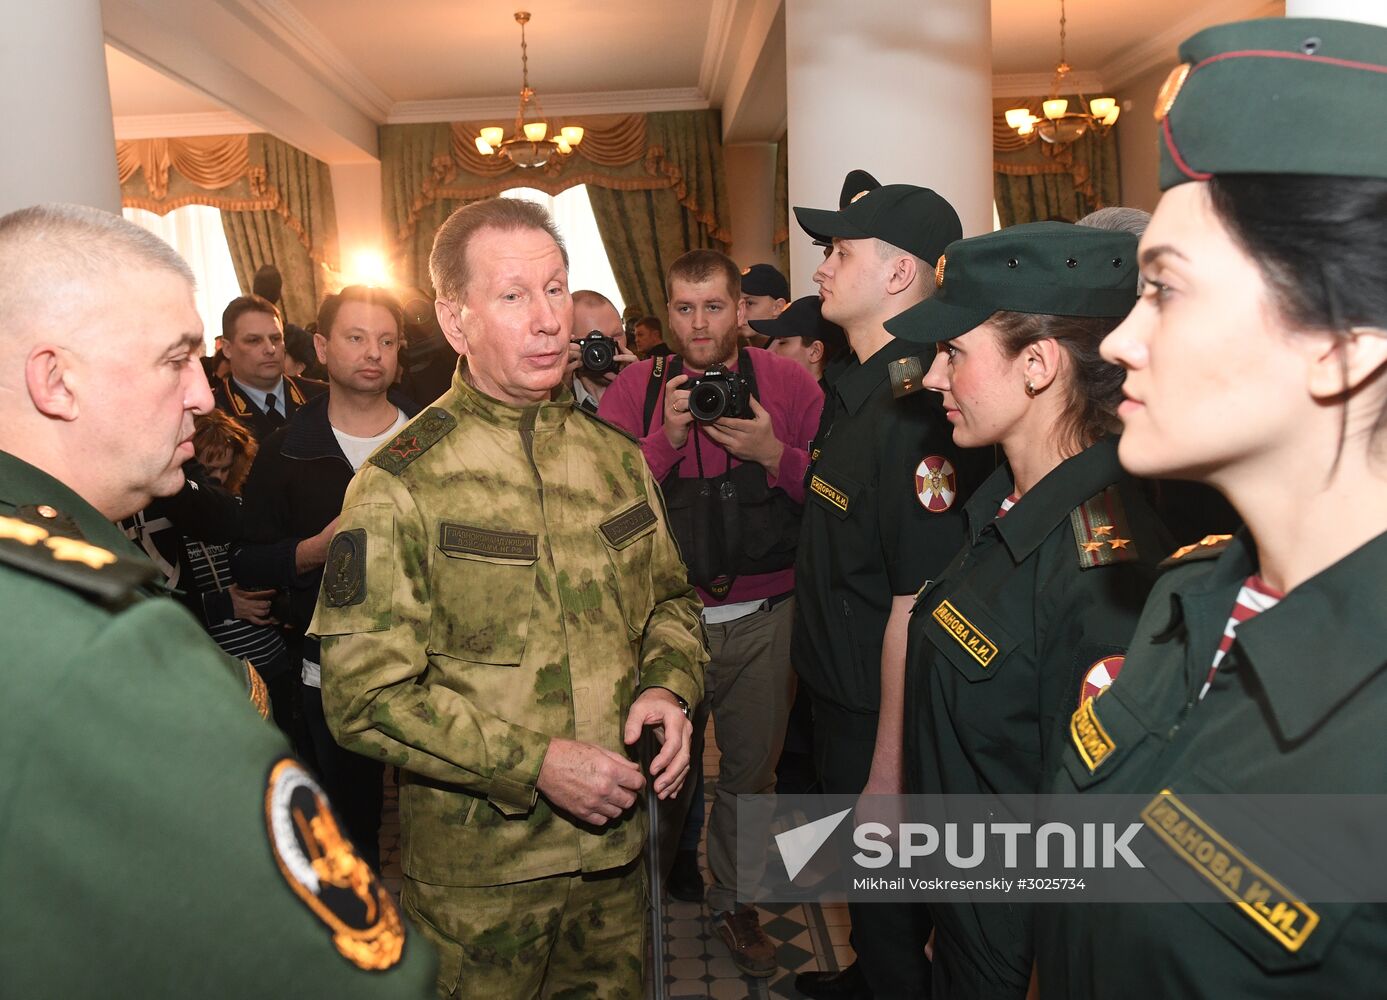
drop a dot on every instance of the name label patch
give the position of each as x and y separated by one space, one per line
625 526
1090 738
832 494
486 542
965 633
1262 899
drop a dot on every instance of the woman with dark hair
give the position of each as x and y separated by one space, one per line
1035 613
1256 362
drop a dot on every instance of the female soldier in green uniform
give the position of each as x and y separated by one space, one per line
1036 611
1256 362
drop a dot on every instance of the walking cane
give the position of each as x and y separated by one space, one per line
649 747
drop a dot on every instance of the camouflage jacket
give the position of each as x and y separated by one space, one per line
501 576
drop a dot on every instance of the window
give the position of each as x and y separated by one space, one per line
571 210
195 231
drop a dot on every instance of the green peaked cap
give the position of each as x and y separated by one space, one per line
1291 95
1053 268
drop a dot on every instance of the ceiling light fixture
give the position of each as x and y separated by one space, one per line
530 145
1060 125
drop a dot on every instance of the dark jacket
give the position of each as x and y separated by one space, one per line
294 489
240 407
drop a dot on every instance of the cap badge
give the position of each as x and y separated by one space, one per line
859 194
939 271
1170 90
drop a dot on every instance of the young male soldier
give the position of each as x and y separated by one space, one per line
801 334
873 534
765 292
158 839
257 392
503 612
747 472
292 498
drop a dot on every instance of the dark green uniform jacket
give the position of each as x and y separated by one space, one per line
156 840
1001 648
1297 706
868 534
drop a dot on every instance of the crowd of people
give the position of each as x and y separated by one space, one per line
915 533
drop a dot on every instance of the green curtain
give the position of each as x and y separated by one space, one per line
298 235
780 239
644 231
414 160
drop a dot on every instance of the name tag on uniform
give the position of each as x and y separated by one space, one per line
1261 898
487 542
830 493
965 633
627 525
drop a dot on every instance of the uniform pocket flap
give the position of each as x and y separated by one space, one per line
969 637
624 527
835 492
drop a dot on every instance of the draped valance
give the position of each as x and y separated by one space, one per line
1037 180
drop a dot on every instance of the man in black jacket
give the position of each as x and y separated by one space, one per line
293 497
257 393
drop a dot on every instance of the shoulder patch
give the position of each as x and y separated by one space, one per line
418 436
907 376
72 562
323 869
1207 547
607 424
1102 534
344 570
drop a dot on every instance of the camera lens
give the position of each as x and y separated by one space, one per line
708 401
598 357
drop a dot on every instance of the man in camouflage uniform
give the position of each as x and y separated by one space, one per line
503 611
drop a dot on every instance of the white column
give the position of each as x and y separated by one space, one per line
751 197
1366 11
56 120
902 90
356 195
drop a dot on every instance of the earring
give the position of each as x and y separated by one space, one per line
1031 390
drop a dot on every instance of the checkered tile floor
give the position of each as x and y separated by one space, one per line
807 936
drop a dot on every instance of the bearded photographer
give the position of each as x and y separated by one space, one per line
725 432
598 351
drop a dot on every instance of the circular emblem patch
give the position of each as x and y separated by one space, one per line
1099 676
939 271
322 867
936 484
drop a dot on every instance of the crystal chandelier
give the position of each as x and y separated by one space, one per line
530 145
1060 125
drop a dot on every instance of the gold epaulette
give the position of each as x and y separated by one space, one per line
1102 534
1206 548
96 572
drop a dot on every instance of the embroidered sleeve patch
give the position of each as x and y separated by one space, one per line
965 633
624 527
906 376
344 572
1261 898
936 483
418 436
465 538
833 495
1101 531
1098 677
1090 738
323 869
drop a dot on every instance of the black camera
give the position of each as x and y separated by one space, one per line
719 393
598 353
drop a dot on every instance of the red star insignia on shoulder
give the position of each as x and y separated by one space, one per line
1092 546
1102 529
1119 543
405 447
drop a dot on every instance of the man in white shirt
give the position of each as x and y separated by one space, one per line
293 496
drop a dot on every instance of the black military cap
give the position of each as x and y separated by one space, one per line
856 182
1052 268
762 279
803 318
1285 95
915 219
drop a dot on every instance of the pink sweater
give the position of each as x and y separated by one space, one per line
791 397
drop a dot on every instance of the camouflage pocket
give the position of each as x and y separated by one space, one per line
486 598
628 537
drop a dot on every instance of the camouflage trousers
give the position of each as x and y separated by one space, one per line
567 937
